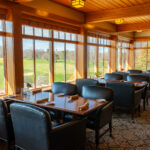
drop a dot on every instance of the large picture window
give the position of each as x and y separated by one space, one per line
142 55
98 54
2 73
5 27
122 56
38 47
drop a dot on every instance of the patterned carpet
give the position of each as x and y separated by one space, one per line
126 134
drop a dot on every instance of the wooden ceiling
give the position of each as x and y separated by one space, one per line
96 5
102 6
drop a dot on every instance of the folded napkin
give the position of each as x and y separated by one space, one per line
42 100
84 106
101 100
50 103
74 97
36 91
11 96
60 94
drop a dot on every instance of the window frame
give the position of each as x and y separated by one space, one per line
140 47
51 39
99 43
120 45
4 35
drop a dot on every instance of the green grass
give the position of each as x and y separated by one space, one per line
2 82
42 71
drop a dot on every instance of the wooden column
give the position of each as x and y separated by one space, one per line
131 56
15 54
82 55
113 53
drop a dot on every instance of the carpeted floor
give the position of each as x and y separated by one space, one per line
126 134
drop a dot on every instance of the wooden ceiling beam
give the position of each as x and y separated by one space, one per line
133 27
107 15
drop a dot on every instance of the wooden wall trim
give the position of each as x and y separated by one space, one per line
146 38
133 27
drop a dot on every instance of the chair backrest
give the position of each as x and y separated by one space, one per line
84 82
138 78
148 71
124 74
97 92
112 76
31 125
134 71
123 93
66 88
3 121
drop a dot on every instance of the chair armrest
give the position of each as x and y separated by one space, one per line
105 115
137 97
70 135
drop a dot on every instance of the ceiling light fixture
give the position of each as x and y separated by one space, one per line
78 3
119 21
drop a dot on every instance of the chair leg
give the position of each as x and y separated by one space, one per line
132 114
97 137
147 100
144 104
110 128
139 110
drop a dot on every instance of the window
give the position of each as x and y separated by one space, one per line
28 61
140 59
42 62
59 64
98 55
91 60
2 76
122 56
70 61
5 42
142 55
37 54
64 61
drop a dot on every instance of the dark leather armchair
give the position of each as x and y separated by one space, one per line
140 78
133 71
125 95
66 88
112 76
82 82
6 130
101 116
124 74
148 71
34 130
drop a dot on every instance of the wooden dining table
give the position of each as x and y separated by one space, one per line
59 103
136 84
